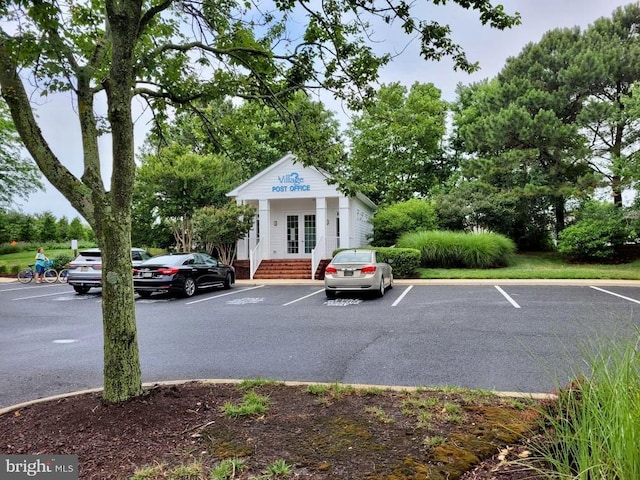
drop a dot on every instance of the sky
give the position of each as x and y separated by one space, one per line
490 47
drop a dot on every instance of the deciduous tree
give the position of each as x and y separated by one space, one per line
176 182
220 228
18 176
396 144
106 53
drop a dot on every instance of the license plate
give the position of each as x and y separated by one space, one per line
147 275
348 273
84 269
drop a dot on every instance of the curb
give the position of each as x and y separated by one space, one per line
359 386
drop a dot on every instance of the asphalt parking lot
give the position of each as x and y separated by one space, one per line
508 336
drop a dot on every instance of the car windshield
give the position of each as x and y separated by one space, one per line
352 257
90 253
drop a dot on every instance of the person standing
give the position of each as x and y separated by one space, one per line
41 262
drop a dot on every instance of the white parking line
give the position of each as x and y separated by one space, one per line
302 298
44 295
30 287
234 292
615 294
506 295
402 296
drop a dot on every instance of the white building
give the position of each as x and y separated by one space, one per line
300 215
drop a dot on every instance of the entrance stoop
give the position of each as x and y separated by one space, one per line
275 269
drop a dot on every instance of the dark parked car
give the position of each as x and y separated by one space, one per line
85 271
182 273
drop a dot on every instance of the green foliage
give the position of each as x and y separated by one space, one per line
48 228
18 176
478 205
227 469
396 151
220 228
392 221
278 469
253 135
23 228
252 404
600 228
175 183
593 429
59 261
457 249
404 261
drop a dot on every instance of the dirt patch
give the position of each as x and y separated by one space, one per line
323 432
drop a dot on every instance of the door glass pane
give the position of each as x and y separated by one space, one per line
309 233
292 234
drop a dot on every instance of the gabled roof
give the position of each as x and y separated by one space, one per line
236 191
292 158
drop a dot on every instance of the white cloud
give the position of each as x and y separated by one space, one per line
488 46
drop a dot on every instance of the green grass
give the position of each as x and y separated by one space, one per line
539 266
26 258
593 431
252 404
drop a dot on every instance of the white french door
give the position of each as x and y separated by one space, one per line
300 234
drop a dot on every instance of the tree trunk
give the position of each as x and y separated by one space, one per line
559 204
122 375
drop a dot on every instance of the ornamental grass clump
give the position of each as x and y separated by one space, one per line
593 432
443 249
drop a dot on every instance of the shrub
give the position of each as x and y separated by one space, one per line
3 269
392 221
15 268
7 248
404 261
59 261
441 249
593 431
600 229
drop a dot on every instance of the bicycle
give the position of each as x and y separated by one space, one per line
62 275
27 274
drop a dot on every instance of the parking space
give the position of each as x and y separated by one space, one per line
405 295
504 336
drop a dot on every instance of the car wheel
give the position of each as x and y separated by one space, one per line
228 280
189 288
380 292
81 289
330 294
145 294
391 282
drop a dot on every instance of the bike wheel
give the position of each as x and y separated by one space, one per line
50 275
25 275
62 275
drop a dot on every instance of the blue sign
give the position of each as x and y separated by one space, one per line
291 182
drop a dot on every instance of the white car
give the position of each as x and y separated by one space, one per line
357 270
85 271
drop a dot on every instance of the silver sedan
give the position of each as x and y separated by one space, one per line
357 270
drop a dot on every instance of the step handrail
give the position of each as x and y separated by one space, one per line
256 255
316 255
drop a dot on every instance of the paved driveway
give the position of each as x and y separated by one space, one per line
509 336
